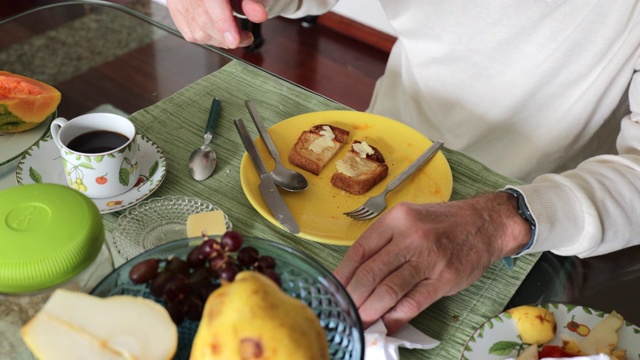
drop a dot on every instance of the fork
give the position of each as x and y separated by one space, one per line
374 205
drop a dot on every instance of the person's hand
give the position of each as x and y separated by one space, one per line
212 22
415 254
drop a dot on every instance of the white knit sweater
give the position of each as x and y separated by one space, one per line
535 89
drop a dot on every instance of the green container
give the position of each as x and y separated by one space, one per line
49 234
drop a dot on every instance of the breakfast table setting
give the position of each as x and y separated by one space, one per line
140 72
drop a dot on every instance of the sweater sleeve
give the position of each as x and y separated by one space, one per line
298 8
593 209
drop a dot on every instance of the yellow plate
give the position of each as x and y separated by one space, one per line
319 209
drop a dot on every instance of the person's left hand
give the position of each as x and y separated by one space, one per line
415 254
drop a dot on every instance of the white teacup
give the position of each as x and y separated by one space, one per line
99 153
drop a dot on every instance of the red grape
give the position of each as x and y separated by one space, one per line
185 285
206 290
196 258
144 271
193 307
177 311
175 265
229 272
159 282
208 247
218 261
231 240
267 262
271 274
176 288
199 277
247 256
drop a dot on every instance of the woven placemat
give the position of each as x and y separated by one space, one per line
176 124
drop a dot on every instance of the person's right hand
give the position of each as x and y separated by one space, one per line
212 22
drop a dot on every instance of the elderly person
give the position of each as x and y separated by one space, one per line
542 91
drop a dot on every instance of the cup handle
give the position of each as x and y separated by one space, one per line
55 127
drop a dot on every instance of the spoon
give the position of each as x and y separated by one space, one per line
284 178
203 160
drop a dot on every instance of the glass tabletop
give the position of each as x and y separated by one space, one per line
103 55
99 53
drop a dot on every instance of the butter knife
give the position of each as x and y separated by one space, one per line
267 187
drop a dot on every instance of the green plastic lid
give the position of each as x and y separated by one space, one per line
48 234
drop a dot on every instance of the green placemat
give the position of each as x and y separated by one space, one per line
176 124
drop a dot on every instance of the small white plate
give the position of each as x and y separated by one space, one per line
155 222
41 164
498 339
14 144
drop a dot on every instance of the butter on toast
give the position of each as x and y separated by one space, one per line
361 169
317 146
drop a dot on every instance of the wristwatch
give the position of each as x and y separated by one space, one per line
525 213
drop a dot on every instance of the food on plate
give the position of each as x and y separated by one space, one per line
600 343
252 318
536 325
25 102
362 168
529 353
317 146
75 325
556 352
184 285
206 223
603 338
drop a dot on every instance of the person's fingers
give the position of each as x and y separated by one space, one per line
255 10
218 22
246 38
391 290
180 15
213 22
372 274
368 244
413 303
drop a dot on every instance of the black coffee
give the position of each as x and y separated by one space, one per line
95 142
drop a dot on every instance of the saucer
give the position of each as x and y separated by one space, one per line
14 144
41 164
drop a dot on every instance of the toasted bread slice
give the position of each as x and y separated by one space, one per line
361 169
317 146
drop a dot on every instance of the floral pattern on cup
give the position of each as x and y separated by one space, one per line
99 169
76 175
40 164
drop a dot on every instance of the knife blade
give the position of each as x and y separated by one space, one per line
267 187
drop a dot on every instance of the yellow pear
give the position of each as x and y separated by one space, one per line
252 318
536 325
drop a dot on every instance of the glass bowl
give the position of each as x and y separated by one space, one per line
155 222
301 277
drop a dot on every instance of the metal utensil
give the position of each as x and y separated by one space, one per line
267 187
284 178
374 206
203 160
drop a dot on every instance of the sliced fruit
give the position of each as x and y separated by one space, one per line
75 325
25 102
604 336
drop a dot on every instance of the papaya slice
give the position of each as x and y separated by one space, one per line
25 102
